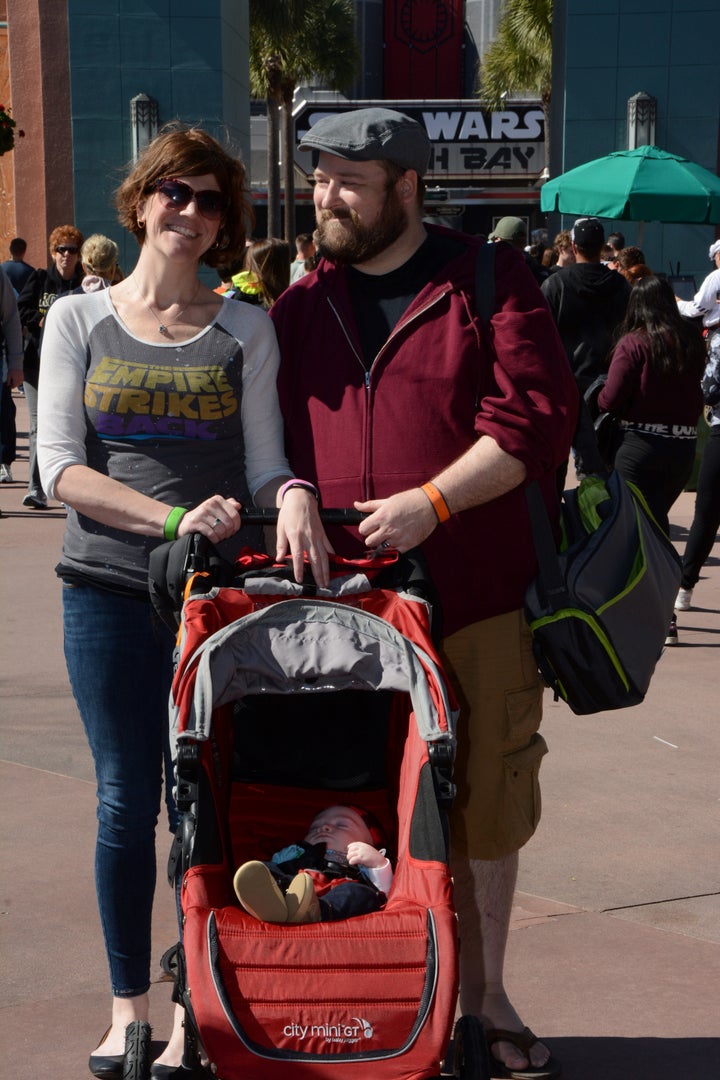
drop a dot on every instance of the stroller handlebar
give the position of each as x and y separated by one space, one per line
329 516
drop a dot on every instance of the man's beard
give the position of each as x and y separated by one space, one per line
353 242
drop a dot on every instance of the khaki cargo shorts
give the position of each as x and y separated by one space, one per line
491 667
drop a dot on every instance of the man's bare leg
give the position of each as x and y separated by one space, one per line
484 893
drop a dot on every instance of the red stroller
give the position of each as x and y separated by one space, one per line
284 702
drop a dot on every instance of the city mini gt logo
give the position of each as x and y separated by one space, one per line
353 1032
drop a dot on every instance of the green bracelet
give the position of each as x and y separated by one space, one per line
172 521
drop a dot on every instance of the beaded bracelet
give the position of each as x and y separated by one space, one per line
299 484
437 499
172 521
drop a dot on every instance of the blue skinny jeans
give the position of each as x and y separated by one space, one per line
119 660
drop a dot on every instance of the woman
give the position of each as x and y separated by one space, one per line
158 417
267 272
99 257
40 291
653 386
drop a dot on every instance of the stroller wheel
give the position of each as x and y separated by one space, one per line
471 1059
137 1051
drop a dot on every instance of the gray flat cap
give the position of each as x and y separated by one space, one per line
371 135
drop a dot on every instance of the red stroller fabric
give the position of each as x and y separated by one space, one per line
289 704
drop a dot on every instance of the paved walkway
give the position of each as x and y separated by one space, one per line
614 953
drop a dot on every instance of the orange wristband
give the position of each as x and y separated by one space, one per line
437 499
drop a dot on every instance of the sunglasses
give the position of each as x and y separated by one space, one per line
67 249
211 204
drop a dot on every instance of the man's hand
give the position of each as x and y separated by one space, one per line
402 522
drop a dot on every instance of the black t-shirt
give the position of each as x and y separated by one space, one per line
380 300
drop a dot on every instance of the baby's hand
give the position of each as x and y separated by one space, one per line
361 854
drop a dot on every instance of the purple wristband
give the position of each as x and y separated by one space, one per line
299 484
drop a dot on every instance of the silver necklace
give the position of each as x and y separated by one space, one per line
163 326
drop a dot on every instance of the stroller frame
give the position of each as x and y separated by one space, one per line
325 999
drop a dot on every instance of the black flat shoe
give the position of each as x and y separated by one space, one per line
176 1072
106 1067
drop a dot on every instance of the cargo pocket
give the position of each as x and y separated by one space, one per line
522 792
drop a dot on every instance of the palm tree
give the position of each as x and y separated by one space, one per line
294 41
520 58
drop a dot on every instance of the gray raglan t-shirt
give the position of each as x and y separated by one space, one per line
179 422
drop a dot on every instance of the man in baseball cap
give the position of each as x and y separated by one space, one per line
393 402
512 229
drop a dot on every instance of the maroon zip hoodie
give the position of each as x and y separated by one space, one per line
434 387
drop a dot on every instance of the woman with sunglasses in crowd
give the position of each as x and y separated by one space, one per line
158 417
41 289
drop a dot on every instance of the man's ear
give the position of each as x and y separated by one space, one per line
407 185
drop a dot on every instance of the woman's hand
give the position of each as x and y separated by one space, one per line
402 522
300 532
362 854
216 518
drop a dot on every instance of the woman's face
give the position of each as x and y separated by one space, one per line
183 216
66 256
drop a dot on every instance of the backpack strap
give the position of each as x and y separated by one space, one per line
549 570
485 282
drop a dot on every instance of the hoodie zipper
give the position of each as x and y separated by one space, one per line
367 372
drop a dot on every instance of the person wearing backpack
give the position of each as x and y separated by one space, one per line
400 400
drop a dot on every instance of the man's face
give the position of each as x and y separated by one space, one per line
358 210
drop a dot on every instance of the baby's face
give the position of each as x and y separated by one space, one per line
337 827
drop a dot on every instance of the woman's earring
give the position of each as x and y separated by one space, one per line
141 223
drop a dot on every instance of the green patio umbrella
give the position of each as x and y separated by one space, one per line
646 184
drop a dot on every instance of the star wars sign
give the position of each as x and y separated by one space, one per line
468 143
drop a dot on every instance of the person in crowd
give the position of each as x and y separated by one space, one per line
266 274
588 302
41 290
338 870
562 250
706 518
225 273
549 258
15 267
99 257
653 388
514 231
305 249
158 417
396 402
615 244
630 262
704 303
11 374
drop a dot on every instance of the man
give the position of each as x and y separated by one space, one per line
514 231
15 267
395 401
305 249
11 362
704 303
588 301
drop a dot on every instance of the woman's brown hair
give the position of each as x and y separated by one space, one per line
182 151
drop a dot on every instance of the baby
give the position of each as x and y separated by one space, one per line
337 871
